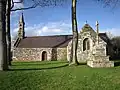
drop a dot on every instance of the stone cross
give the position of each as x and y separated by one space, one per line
97 28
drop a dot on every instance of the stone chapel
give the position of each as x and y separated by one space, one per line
94 48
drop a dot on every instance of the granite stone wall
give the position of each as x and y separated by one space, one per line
31 54
95 48
35 54
83 56
62 54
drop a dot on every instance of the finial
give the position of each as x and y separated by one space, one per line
22 13
21 18
86 22
97 23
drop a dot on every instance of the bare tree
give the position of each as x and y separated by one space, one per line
37 3
10 7
110 35
8 36
116 46
75 35
110 3
3 54
21 8
44 3
74 23
5 32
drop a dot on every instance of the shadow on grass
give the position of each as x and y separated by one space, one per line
82 63
117 63
37 63
26 69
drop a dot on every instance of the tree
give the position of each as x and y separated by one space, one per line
3 60
116 47
8 36
75 35
10 7
36 3
110 3
110 35
74 24
43 3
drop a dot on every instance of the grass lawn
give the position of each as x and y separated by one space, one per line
56 75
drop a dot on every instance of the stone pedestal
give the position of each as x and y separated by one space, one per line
99 58
98 64
100 61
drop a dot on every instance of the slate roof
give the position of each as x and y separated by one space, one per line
105 38
45 41
53 41
50 41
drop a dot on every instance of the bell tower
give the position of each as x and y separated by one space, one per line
21 32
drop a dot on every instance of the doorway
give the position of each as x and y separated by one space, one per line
44 55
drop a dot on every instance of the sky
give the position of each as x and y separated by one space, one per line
42 21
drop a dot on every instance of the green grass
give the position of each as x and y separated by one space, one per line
58 76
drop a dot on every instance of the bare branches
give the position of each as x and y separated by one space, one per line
19 1
111 3
12 4
40 3
24 8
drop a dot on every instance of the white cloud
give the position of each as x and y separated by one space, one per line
56 28
51 28
45 29
113 31
15 30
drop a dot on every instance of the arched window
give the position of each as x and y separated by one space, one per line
86 44
44 55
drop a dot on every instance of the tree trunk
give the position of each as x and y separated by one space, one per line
8 37
3 46
75 34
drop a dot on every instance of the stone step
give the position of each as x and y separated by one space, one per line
98 64
99 58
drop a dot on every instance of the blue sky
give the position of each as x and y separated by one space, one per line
57 20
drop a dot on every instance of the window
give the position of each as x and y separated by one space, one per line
86 44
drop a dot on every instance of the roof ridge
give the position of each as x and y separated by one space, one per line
47 36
